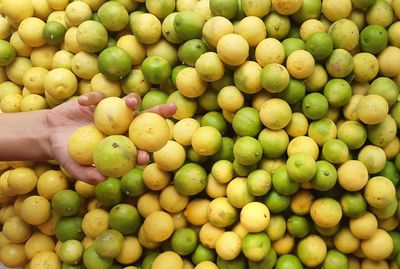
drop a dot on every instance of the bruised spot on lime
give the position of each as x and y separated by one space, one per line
114 63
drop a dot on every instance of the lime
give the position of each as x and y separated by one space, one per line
277 202
353 204
214 119
320 45
255 246
325 177
148 260
124 218
243 170
282 182
202 253
92 36
113 15
301 167
108 192
386 88
340 63
92 260
344 33
7 53
69 228
156 69
108 244
193 156
310 9
335 151
160 8
70 266
188 25
277 25
247 150
391 172
273 142
294 92
71 251
335 260
154 98
114 63
267 263
175 71
274 77
292 44
259 182
247 122
191 50
184 241
53 32
190 179
288 261
322 130
66 203
298 226
338 92
353 133
209 100
224 8
373 38
135 82
311 250
362 4
396 244
132 183
315 106
226 150
237 263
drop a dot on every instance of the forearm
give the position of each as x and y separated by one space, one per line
24 136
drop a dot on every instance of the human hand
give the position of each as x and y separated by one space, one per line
64 119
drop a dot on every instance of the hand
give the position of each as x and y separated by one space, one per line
64 119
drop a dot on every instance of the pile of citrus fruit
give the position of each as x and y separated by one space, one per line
283 152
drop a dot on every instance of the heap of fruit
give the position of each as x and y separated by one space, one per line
283 152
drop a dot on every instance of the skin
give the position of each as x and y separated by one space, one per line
43 134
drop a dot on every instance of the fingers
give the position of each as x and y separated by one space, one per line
91 98
165 110
88 174
142 157
132 100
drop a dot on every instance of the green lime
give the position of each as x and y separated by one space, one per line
190 179
124 218
247 122
310 9
353 204
362 4
335 260
335 151
188 24
396 244
68 228
191 50
288 261
149 259
161 9
294 32
276 228
226 150
292 44
154 98
282 182
66 203
255 246
267 263
7 53
226 80
108 192
339 64
175 71
92 36
113 15
237 263
325 177
247 150
71 251
317 79
72 266
224 8
194 157
386 88
338 92
273 142
132 183
322 130
301 167
277 25
202 253
391 172
353 133
135 82
327 231
111 42
114 62
259 182
184 241
216 120
243 170
53 32
298 226
315 106
344 33
156 69
92 260
108 244
395 113
294 92
320 45
373 38
208 100
274 77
